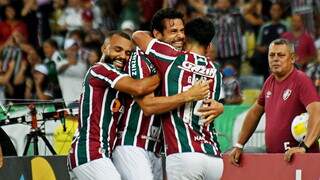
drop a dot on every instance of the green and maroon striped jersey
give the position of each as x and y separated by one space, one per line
179 70
135 128
99 111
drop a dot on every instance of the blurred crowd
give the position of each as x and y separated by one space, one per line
46 46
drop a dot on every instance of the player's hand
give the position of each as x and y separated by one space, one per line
290 152
210 110
198 91
234 156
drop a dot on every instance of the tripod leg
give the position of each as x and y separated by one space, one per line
44 138
27 145
35 145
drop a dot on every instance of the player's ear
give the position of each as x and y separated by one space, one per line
157 34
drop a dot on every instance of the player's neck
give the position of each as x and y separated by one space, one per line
195 48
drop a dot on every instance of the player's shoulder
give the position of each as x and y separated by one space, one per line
102 67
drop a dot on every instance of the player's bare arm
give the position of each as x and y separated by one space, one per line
212 110
157 105
137 87
142 39
313 131
250 123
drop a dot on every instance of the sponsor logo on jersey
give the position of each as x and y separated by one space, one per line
286 94
201 139
198 69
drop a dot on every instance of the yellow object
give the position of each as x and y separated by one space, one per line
63 139
250 96
300 129
250 43
41 169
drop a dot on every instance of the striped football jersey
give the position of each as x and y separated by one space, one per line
135 128
179 70
100 109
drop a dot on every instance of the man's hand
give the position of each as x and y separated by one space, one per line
288 154
198 91
234 156
210 111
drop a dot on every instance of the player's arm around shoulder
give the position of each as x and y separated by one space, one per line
142 39
137 87
313 131
151 104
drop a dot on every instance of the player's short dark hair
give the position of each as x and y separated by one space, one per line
167 13
119 33
200 30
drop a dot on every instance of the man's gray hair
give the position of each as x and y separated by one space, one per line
283 42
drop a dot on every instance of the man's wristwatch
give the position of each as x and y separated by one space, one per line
303 145
238 145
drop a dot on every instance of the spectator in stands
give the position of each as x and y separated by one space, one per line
231 85
72 70
15 87
10 25
42 86
72 16
313 71
91 14
303 42
33 59
309 10
270 31
252 13
94 54
110 12
228 24
94 36
57 12
53 61
288 92
5 77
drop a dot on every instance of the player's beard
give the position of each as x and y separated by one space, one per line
118 63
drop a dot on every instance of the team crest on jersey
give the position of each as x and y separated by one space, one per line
268 94
198 69
286 94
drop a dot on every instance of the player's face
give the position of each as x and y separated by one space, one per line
173 33
117 50
281 61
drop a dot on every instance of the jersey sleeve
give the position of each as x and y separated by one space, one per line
107 73
306 85
162 51
140 66
261 98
